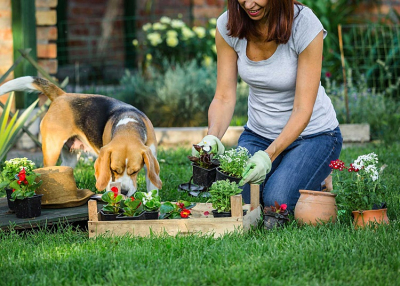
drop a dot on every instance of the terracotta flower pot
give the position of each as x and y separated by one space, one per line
314 207
363 218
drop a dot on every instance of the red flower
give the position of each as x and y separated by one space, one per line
26 182
328 74
283 207
181 205
337 165
185 213
132 198
13 190
19 182
206 213
115 191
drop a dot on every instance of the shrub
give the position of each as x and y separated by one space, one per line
173 40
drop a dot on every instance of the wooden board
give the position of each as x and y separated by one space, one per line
48 216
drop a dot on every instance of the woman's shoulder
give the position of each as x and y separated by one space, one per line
222 19
303 14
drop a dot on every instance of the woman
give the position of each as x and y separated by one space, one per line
292 131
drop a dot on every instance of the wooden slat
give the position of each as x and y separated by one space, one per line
215 226
254 196
92 210
236 206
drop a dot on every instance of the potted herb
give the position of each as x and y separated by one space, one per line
359 189
27 203
204 166
133 210
275 216
221 192
10 170
112 209
151 203
232 164
180 209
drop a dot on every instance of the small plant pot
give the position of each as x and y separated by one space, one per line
108 216
364 218
225 214
204 177
11 204
274 220
29 207
220 176
139 217
150 215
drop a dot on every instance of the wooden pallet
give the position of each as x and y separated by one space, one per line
198 223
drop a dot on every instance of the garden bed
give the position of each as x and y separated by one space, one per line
198 222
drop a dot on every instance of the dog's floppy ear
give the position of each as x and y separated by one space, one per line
102 169
153 168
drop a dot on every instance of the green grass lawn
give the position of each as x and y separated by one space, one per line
332 254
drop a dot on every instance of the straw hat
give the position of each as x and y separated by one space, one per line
59 188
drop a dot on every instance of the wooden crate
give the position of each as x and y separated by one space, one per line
197 223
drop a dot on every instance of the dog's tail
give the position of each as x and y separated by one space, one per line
30 83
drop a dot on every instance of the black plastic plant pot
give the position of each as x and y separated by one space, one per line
225 214
139 217
204 177
108 216
272 221
29 207
151 215
11 204
221 176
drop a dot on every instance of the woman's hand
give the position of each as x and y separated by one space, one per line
212 141
257 168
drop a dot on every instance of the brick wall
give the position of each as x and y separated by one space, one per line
6 41
205 9
46 34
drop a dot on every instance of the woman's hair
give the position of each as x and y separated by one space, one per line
279 23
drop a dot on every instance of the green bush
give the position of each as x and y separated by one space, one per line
381 112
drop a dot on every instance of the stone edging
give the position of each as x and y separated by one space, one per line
186 136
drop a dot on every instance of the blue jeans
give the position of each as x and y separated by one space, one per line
303 165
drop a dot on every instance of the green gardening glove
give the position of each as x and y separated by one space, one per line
257 167
212 141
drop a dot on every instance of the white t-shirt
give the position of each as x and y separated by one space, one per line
272 82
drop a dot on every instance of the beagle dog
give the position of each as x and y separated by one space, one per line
122 136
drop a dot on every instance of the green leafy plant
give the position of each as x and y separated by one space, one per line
277 210
358 185
113 200
233 161
180 209
24 185
205 156
132 207
221 192
12 167
9 129
151 201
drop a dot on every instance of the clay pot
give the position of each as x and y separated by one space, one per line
363 218
315 207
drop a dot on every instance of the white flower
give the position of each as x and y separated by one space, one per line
172 33
200 31
207 61
172 41
364 160
159 26
212 32
146 27
154 38
187 33
177 24
165 20
207 148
